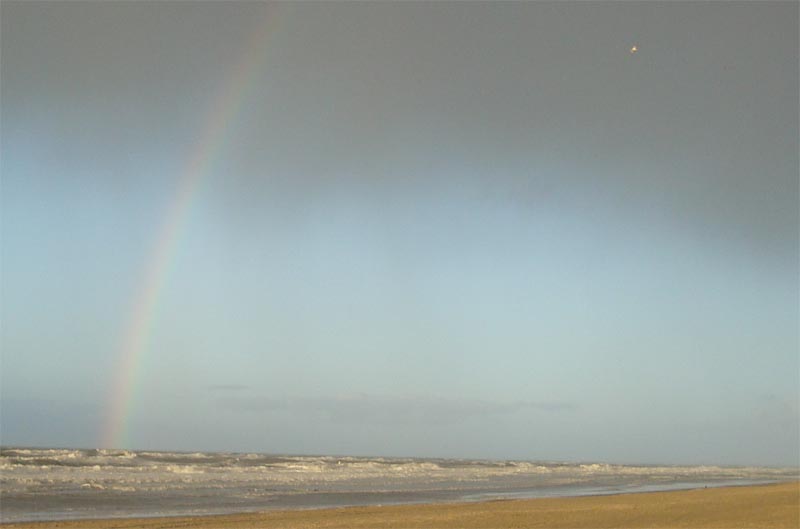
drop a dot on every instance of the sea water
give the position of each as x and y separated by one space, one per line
51 484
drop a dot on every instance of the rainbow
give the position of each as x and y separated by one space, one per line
138 330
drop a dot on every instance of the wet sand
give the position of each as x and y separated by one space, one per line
760 506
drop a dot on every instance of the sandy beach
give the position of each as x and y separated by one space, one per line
763 506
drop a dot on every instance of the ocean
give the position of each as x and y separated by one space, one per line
53 484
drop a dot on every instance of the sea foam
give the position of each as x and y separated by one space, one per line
70 483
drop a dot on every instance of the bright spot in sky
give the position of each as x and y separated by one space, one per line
634 48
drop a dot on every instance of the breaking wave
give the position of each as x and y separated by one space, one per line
66 483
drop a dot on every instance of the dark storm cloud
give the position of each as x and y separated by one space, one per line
520 104
533 105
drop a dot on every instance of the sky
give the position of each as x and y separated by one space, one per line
480 230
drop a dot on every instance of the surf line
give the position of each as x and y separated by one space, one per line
219 121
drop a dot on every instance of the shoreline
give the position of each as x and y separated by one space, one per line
481 497
763 505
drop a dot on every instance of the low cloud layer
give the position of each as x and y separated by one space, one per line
227 387
378 408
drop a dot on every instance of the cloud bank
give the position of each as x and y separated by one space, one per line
389 409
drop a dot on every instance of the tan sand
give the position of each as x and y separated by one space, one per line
763 506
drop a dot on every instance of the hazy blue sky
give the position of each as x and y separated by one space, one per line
445 229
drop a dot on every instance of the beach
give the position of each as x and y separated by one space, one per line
42 484
762 506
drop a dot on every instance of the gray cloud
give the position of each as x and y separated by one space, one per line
383 409
227 387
